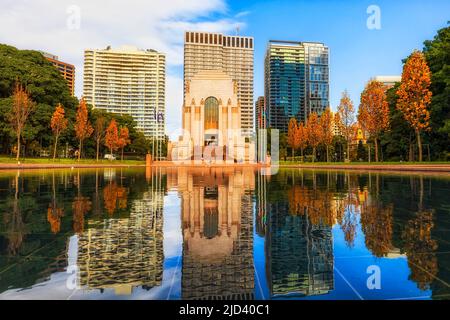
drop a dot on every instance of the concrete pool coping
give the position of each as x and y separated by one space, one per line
425 168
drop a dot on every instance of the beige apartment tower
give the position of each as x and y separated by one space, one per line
129 81
232 55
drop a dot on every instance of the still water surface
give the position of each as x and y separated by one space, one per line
179 233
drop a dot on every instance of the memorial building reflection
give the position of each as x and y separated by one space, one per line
217 227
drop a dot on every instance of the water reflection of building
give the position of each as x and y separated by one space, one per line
126 252
261 204
299 254
217 227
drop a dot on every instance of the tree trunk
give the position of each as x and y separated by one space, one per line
301 153
328 154
54 148
314 154
419 145
293 154
122 155
18 146
79 149
98 147
110 153
376 150
348 149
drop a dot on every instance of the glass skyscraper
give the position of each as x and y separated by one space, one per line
296 81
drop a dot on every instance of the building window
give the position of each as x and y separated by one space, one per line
211 113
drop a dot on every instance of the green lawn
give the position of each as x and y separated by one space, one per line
69 161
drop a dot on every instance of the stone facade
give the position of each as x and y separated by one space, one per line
212 121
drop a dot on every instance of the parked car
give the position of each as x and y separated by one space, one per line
110 156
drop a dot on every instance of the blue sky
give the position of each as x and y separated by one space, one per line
356 53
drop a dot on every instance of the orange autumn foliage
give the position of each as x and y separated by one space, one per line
326 134
314 131
80 206
22 107
54 215
114 196
58 124
112 136
373 114
347 118
377 225
414 96
301 138
83 128
420 249
124 139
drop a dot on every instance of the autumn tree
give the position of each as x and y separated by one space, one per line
112 136
301 138
313 132
373 113
347 115
99 132
22 106
337 123
58 125
414 96
83 128
326 123
292 128
124 139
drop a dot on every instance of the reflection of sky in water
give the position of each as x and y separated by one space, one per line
350 272
349 263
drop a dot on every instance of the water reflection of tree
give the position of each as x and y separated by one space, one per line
80 206
16 229
420 247
376 221
54 211
114 196
324 202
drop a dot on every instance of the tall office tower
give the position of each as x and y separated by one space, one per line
261 116
67 70
129 81
231 54
296 81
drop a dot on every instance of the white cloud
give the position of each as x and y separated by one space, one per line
242 14
154 24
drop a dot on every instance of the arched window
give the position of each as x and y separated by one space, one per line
211 113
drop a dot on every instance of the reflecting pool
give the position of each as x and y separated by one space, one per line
223 233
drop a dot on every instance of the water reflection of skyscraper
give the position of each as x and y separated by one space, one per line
217 233
299 254
122 253
298 238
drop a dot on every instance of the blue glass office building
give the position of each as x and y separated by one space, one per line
296 81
